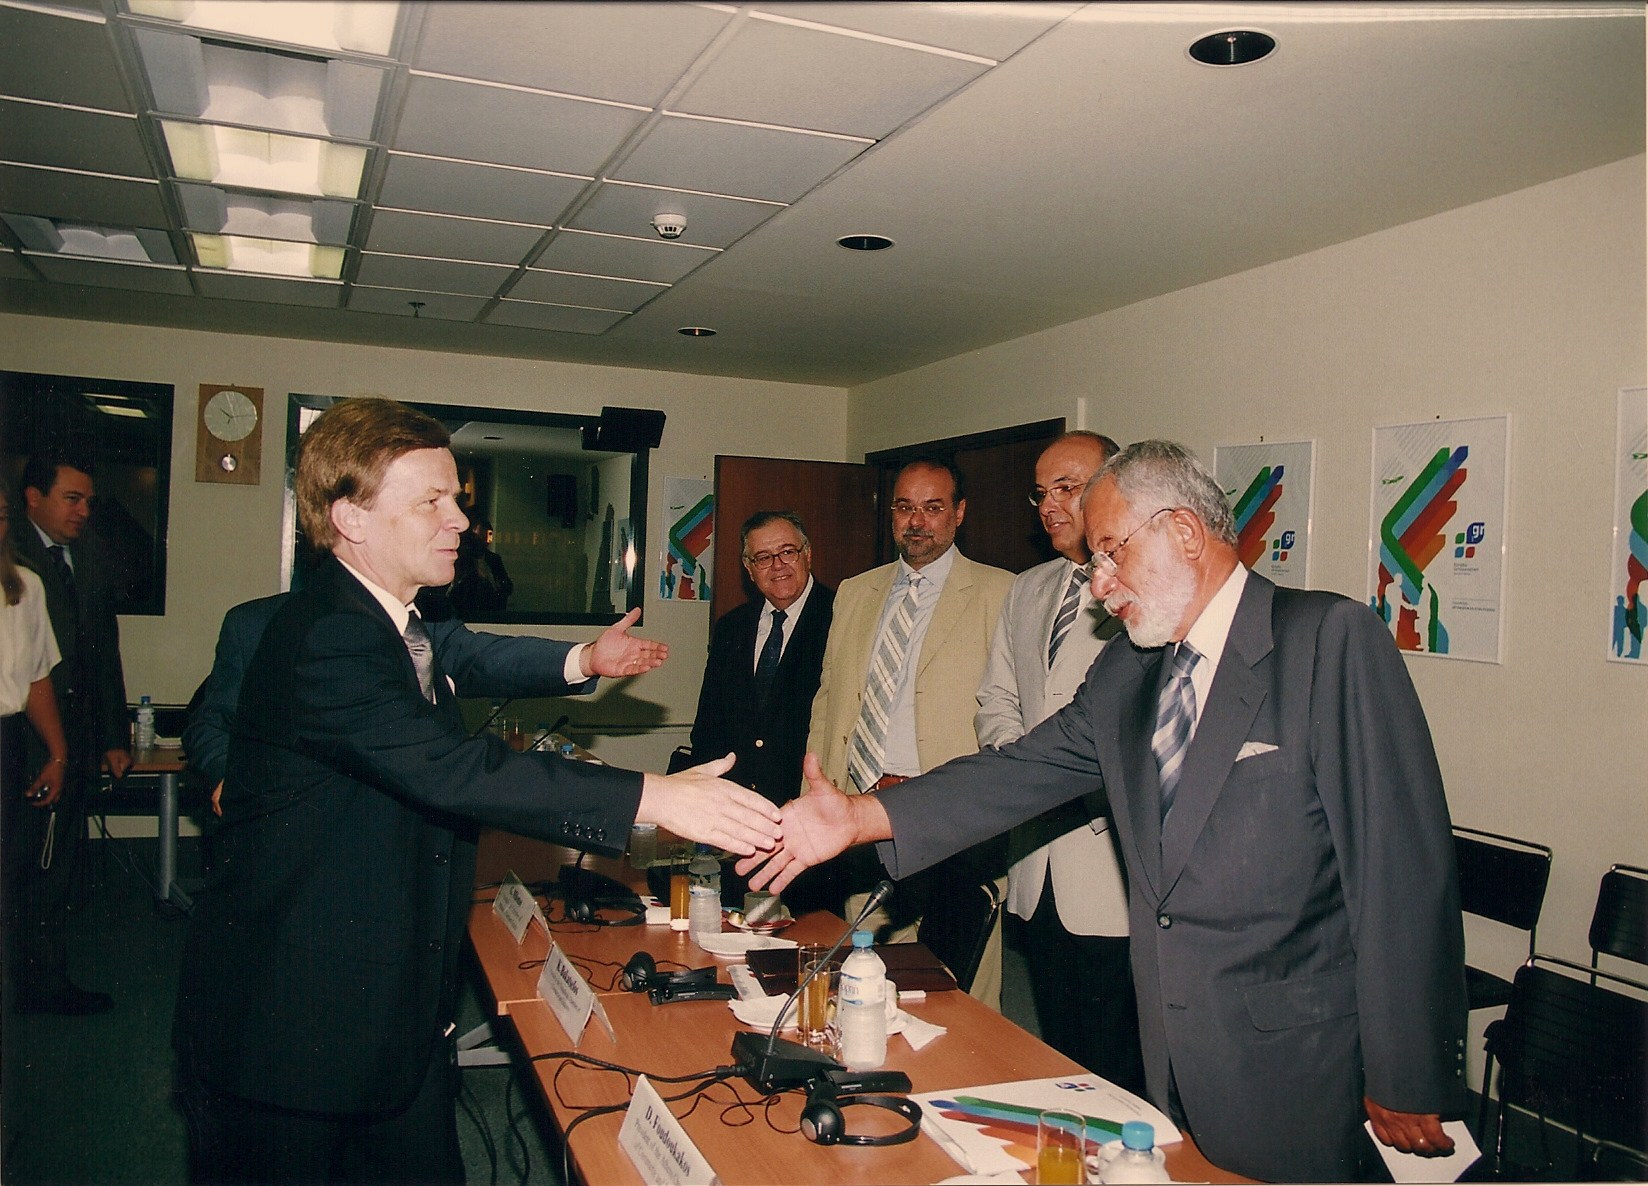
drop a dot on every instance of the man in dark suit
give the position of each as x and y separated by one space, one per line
317 989
762 673
91 699
760 679
1297 947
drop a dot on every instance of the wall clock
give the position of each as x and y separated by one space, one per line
229 435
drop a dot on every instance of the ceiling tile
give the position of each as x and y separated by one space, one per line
735 159
60 60
990 30
804 78
442 306
316 293
568 47
593 292
556 317
711 221
451 238
400 271
507 127
481 191
76 197
145 278
614 255
72 139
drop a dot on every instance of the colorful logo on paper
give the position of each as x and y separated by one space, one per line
1412 535
1628 606
1255 515
689 539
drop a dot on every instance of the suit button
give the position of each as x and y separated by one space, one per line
440 858
434 945
1164 921
759 743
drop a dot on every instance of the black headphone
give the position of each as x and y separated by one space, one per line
822 1121
581 911
641 975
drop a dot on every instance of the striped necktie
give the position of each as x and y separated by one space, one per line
1175 715
868 744
1068 608
416 637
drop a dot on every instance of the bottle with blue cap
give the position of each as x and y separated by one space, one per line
861 1015
1136 1159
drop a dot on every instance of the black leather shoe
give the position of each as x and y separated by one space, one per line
68 1001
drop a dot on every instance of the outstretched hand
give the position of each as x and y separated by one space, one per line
618 653
698 804
1409 1132
817 826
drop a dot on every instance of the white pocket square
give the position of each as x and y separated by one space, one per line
1252 749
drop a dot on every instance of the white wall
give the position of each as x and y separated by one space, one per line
1531 304
224 544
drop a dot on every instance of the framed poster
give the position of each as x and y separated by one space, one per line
689 537
1628 565
1436 535
1269 487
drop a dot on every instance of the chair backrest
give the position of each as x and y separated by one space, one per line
1619 926
956 925
1502 878
1573 1051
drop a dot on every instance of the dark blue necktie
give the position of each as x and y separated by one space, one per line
766 667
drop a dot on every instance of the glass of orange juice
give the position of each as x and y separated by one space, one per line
812 1009
1061 1149
680 886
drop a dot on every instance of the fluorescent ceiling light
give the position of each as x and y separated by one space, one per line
118 244
357 26
268 257
264 160
117 405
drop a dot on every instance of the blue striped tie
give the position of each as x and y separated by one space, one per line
1175 715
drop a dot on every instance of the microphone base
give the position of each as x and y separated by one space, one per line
785 1065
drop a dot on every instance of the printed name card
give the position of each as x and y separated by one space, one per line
568 995
516 906
656 1144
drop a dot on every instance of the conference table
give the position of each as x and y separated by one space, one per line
166 764
747 1138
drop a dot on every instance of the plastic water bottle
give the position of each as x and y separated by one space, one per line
862 1014
1137 1160
144 736
704 892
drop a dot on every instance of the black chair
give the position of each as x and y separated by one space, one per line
1502 879
1571 1052
1619 926
956 927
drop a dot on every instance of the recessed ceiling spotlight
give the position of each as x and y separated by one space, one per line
1234 47
865 242
696 331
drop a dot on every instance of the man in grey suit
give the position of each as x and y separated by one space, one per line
1296 938
1066 879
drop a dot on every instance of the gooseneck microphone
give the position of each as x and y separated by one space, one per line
778 1065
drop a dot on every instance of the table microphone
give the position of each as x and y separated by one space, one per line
778 1064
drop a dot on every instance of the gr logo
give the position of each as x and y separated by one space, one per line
1466 542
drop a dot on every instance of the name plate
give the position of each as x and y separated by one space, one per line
516 906
656 1144
568 995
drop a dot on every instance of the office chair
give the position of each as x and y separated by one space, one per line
1619 926
1501 879
956 927
1571 1052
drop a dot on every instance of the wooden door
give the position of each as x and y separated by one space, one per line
835 499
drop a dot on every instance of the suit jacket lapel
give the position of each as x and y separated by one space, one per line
1225 721
1143 798
958 592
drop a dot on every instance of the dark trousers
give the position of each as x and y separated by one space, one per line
1083 989
232 1140
39 848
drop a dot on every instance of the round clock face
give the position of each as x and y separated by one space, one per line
230 416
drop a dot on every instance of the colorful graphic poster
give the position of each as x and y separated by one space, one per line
689 535
1628 568
1436 550
1269 489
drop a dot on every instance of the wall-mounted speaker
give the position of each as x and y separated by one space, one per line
625 430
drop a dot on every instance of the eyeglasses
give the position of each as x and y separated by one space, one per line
768 559
932 507
1058 492
1105 562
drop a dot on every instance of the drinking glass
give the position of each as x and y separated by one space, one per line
1061 1149
812 1008
680 886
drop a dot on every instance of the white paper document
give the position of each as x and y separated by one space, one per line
1411 1167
